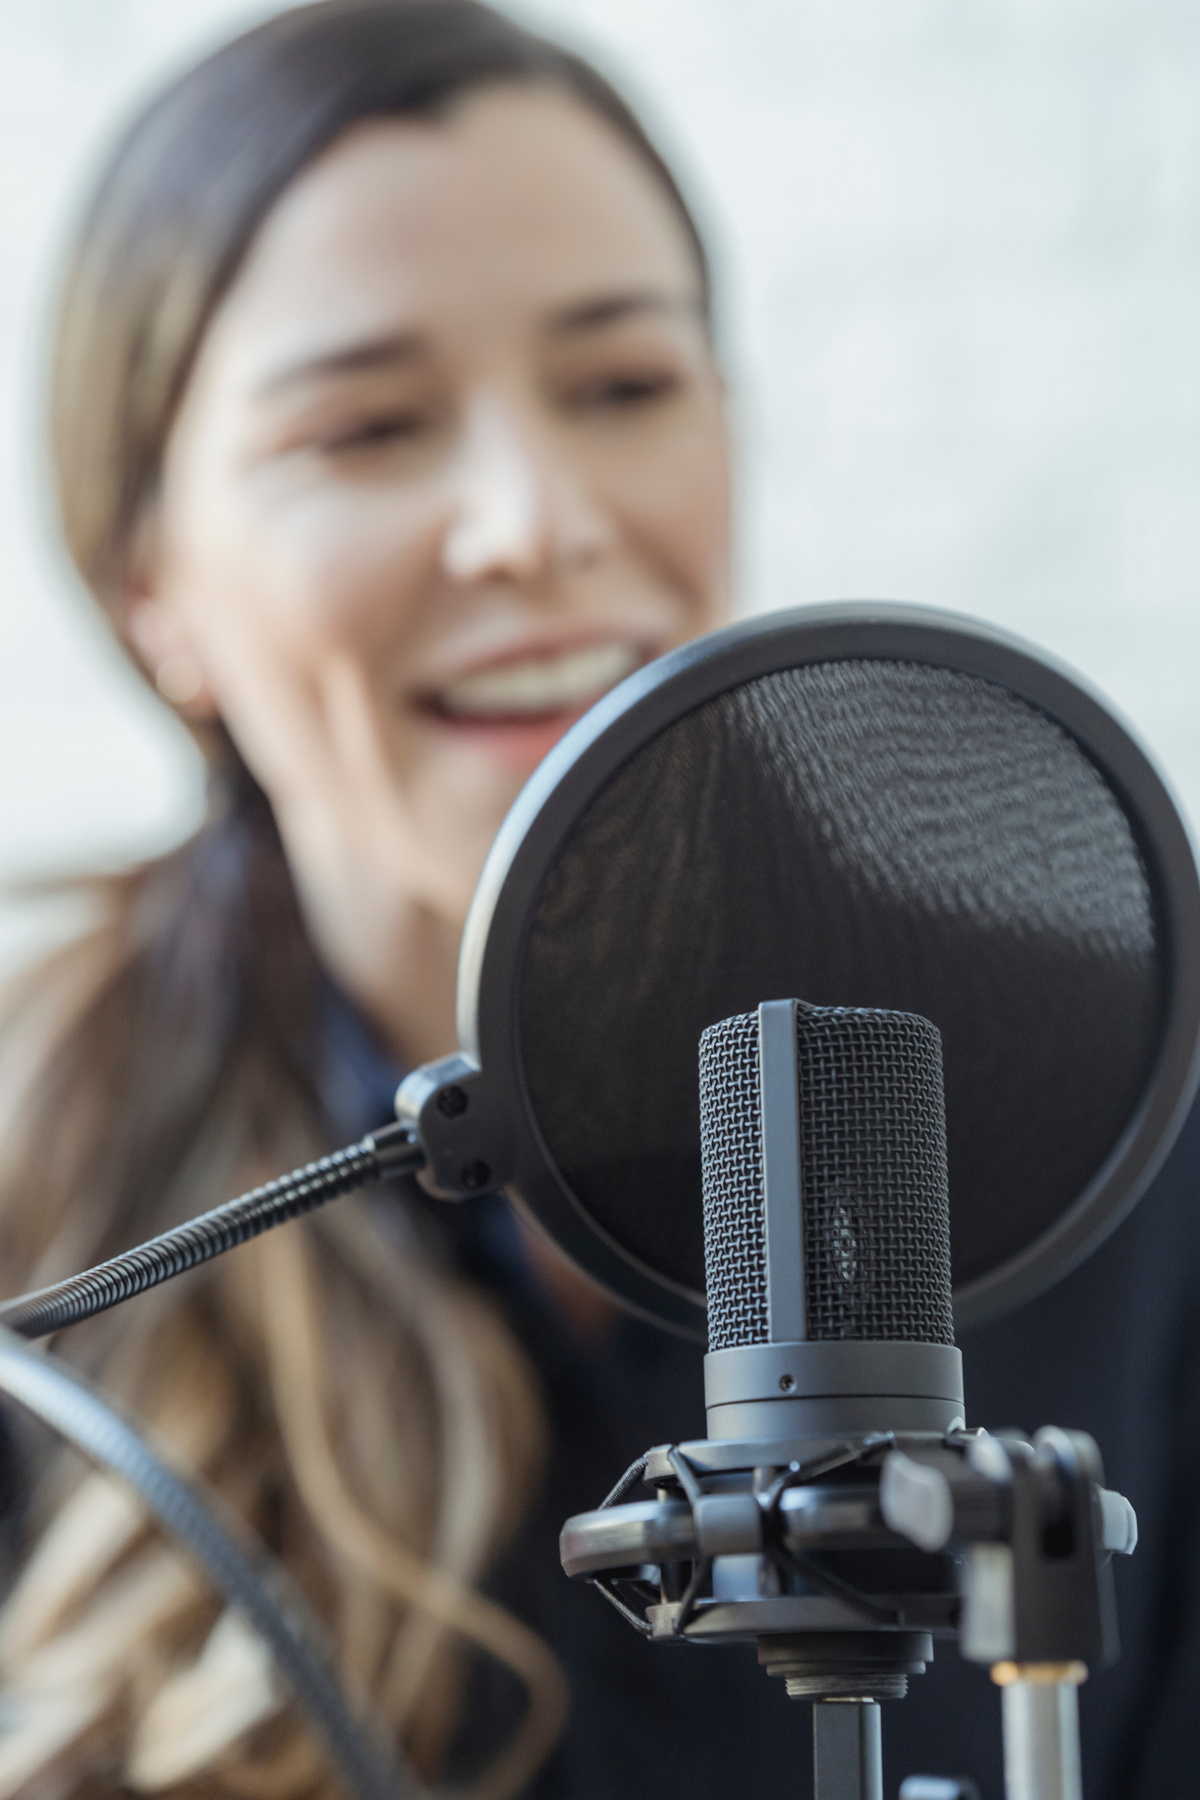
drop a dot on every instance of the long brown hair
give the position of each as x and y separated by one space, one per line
365 1409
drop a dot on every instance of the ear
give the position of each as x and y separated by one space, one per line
153 625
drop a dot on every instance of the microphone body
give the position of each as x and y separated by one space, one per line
826 1225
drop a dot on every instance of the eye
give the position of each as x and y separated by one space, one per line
375 432
622 391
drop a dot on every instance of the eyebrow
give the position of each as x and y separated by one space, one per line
350 359
611 309
394 348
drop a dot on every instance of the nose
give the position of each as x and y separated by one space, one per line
520 511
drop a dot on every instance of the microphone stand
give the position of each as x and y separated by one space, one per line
843 1558
1041 1729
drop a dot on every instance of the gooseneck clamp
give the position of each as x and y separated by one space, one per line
380 1156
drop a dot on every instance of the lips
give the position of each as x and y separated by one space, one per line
538 685
514 712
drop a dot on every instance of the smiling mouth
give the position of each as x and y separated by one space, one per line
536 688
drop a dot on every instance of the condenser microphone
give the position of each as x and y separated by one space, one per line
826 1225
839 1513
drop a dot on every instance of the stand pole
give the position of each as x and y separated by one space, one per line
1041 1729
847 1757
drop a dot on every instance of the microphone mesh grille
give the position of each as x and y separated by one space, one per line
873 1161
735 1243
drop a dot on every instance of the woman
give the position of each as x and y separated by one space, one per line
389 435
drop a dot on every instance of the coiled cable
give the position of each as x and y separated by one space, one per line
250 1580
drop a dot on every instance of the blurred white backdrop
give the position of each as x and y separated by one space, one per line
959 259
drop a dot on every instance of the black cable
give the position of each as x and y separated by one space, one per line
394 1150
252 1583
629 1479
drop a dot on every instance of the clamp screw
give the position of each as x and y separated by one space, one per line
476 1176
787 1383
452 1103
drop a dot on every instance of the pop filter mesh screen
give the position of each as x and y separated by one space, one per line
851 833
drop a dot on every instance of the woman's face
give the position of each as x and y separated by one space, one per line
452 462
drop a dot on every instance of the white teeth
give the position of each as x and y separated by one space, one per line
541 684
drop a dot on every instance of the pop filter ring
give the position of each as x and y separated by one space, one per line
646 704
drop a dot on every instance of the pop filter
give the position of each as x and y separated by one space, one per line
864 805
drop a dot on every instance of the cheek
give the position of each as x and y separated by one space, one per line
677 508
290 579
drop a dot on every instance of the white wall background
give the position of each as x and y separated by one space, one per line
960 253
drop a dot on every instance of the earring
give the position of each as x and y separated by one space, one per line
179 679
